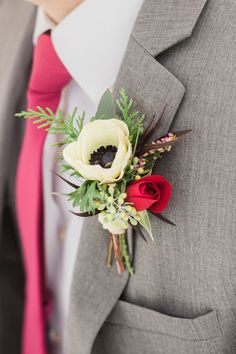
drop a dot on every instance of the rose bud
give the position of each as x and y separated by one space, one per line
150 192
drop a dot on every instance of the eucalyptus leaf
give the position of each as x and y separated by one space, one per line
145 222
106 106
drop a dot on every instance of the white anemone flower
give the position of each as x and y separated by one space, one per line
102 151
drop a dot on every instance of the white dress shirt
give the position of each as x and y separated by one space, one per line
91 42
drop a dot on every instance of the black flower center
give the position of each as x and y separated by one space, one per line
103 156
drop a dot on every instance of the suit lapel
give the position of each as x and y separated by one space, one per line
151 86
164 23
159 26
15 56
95 288
16 26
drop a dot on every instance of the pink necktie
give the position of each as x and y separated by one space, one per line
48 78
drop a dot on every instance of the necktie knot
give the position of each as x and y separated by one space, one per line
49 75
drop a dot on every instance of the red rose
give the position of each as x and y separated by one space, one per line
150 192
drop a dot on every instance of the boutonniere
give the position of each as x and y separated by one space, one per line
112 163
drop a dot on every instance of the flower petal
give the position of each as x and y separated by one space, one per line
165 193
94 135
141 203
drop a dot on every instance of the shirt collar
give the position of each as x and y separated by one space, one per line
91 41
42 24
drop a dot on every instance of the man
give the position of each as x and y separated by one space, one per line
181 56
89 75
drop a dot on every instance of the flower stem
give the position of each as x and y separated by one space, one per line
109 255
125 254
117 254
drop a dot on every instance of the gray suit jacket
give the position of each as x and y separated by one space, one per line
16 26
182 299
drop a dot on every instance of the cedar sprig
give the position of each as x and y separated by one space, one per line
86 196
69 125
134 120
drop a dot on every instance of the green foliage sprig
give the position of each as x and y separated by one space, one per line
85 197
133 119
69 125
91 197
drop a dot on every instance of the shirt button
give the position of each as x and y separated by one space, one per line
55 337
61 233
